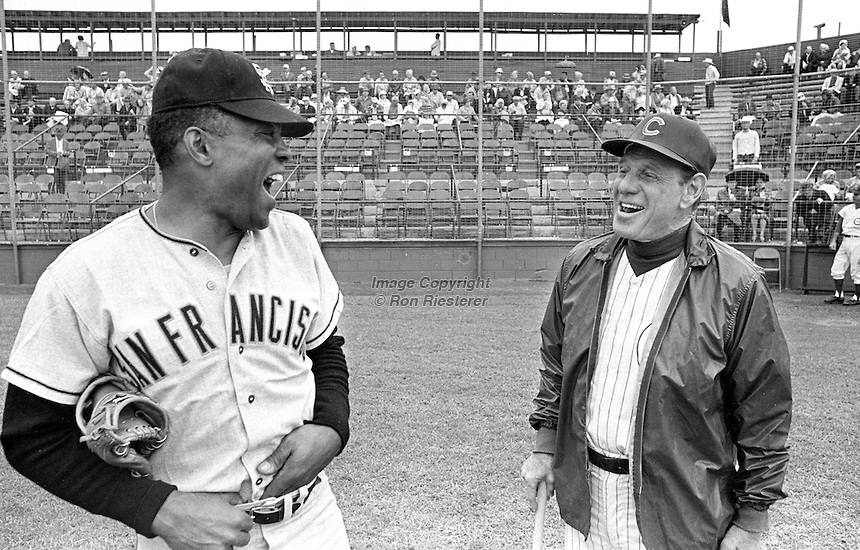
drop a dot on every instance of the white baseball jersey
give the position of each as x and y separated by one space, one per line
848 255
223 350
628 318
850 215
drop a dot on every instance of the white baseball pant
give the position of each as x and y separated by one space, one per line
613 515
848 256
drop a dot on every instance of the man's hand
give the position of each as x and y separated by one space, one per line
537 468
738 539
200 521
833 245
302 454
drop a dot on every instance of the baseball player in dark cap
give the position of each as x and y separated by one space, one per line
219 308
665 399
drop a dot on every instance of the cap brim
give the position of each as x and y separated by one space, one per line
618 146
292 125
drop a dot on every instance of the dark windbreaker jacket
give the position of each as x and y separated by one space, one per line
714 405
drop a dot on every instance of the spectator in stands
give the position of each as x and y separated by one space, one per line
489 95
380 86
144 107
411 88
102 111
758 66
804 111
771 109
82 47
841 58
727 213
759 213
657 97
367 51
16 86
712 75
287 80
436 46
39 111
610 82
831 88
529 84
364 104
65 49
658 68
467 112
331 49
577 109
628 95
17 115
126 117
747 107
353 52
29 89
594 116
665 107
638 75
449 97
53 106
830 185
809 61
517 112
639 102
578 87
395 86
745 146
434 81
814 207
686 110
325 85
789 60
828 115
344 110
72 91
823 58
379 107
83 111
365 82
58 155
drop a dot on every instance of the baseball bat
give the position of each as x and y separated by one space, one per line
537 537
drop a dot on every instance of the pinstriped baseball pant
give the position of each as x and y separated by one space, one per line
613 515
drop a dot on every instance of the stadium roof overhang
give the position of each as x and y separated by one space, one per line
280 21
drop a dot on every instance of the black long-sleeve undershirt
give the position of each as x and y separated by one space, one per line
41 441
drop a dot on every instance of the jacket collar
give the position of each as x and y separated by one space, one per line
699 251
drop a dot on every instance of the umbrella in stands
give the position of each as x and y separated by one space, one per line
747 175
79 71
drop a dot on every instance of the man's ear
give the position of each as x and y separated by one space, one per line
693 189
198 145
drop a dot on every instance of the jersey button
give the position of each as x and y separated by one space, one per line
259 480
194 252
210 285
241 349
251 398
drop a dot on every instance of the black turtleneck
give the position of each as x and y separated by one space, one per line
646 256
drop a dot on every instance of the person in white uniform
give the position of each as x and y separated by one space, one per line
847 257
218 307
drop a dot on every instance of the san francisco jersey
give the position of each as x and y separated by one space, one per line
223 350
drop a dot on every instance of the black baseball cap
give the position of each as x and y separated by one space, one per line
207 76
678 138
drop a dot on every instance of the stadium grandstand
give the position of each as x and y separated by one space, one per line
439 144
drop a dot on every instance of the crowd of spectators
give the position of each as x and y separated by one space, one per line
559 99
84 101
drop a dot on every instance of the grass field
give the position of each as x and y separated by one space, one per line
440 397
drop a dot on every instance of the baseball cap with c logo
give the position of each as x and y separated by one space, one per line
678 138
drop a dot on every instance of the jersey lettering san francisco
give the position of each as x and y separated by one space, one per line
224 351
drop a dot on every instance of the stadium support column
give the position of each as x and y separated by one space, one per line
793 150
395 39
319 116
479 263
648 57
7 120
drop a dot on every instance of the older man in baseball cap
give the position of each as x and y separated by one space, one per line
665 398
254 416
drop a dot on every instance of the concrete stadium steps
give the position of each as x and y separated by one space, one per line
718 125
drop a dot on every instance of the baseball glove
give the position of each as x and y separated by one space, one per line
121 425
